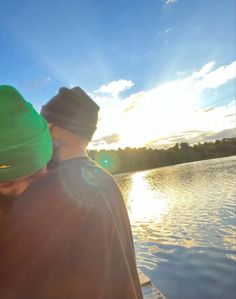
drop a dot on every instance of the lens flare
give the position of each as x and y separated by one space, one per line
108 160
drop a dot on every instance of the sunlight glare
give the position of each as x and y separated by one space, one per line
144 203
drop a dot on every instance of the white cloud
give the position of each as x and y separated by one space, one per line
170 1
218 77
204 70
169 109
168 30
115 87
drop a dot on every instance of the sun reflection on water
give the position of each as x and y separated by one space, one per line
144 203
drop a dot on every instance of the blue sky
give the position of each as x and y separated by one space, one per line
48 44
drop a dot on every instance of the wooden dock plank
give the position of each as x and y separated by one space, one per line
151 292
144 280
148 289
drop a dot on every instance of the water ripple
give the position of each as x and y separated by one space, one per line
184 224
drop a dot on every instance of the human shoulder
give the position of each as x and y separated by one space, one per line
85 171
43 184
86 181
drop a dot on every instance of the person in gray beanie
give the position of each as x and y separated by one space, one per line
82 242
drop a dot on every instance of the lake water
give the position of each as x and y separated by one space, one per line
183 219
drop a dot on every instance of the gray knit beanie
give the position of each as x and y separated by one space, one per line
73 110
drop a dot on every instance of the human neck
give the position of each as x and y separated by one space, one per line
69 145
71 153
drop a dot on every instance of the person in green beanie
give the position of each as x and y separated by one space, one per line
25 143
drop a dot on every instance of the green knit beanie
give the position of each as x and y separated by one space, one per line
25 141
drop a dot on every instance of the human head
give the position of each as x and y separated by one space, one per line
12 189
72 115
73 110
25 142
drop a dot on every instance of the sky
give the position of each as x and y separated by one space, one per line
162 71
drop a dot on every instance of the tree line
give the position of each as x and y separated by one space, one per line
135 159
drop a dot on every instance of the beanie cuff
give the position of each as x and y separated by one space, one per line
26 158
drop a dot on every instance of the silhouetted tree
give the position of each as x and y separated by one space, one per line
133 159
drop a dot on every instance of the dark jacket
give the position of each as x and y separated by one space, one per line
68 237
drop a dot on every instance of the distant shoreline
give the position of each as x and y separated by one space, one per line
131 172
139 159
